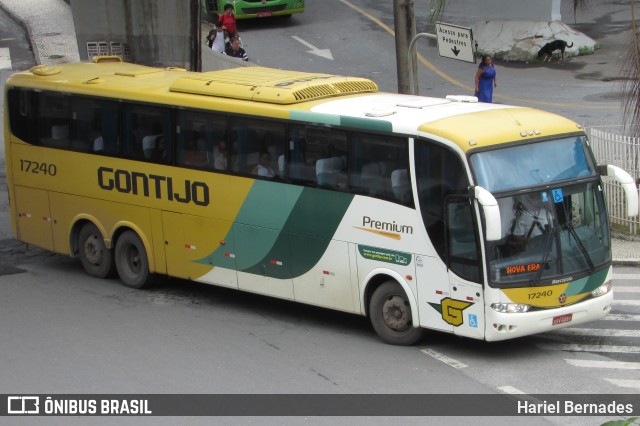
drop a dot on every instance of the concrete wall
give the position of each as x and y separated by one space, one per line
150 32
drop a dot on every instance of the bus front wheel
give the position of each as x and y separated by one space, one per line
96 258
390 315
131 261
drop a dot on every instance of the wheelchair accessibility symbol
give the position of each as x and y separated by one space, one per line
557 195
473 321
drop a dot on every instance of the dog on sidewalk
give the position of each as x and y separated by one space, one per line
546 53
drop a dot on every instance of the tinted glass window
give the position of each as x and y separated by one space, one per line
148 134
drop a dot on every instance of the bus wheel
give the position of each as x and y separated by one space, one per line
131 261
96 258
390 315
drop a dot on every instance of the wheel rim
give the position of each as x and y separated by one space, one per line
134 263
395 313
93 250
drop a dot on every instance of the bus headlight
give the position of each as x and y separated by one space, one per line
602 290
510 308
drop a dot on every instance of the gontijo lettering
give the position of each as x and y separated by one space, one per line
137 183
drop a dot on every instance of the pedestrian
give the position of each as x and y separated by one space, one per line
229 21
235 50
217 38
485 79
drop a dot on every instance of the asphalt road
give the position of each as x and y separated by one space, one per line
64 332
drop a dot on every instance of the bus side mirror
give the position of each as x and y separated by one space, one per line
628 184
491 211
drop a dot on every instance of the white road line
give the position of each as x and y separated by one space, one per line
626 276
622 289
589 348
5 58
626 302
625 383
622 317
610 332
618 365
441 357
511 390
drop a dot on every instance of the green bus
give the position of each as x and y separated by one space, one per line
244 9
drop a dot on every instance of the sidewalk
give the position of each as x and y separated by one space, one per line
49 24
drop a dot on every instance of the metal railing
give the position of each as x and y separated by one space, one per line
624 152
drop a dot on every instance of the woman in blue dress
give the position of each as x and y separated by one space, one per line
485 79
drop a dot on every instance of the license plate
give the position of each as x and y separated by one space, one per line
561 319
263 14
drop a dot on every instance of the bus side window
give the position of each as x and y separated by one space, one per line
148 133
22 117
379 167
55 119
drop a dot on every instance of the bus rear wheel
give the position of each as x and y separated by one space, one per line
96 258
131 261
390 315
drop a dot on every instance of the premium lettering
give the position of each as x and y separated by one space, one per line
160 187
367 222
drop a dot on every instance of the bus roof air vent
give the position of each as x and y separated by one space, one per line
270 85
45 70
139 72
381 111
462 98
106 58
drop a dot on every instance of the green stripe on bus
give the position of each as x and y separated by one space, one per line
308 232
366 124
587 284
315 117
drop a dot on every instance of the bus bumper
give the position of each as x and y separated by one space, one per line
503 326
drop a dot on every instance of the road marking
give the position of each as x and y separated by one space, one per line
625 383
511 390
622 317
618 289
597 332
589 348
466 87
325 53
5 58
626 276
626 302
441 357
604 364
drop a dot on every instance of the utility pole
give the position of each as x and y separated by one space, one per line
405 27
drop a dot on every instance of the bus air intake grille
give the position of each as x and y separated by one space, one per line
315 92
356 86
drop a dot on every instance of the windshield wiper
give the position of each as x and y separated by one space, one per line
581 246
547 251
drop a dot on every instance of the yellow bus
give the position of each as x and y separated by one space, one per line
481 220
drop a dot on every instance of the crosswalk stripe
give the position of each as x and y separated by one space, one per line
589 348
5 58
620 289
625 383
620 365
622 317
626 276
597 332
625 302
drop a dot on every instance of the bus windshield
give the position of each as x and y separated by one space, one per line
553 230
532 164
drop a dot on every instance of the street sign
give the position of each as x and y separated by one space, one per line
455 42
